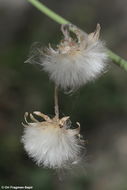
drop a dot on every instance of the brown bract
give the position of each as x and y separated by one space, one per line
56 123
72 46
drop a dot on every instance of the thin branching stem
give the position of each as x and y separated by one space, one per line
40 6
57 18
56 102
118 60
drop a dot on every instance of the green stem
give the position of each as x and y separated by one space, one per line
57 18
118 60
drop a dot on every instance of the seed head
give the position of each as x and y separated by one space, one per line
52 143
76 60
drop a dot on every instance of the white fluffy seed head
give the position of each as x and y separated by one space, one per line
76 60
52 143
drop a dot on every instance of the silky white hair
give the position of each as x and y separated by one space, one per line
51 143
76 60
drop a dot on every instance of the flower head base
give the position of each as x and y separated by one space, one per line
76 60
52 143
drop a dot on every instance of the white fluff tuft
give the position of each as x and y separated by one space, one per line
75 61
51 143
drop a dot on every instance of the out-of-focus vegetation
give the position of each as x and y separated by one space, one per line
100 107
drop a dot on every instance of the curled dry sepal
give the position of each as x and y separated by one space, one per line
52 143
77 59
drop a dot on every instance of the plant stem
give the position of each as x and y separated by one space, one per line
56 102
118 60
40 6
57 18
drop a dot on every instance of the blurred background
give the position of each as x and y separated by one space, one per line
100 107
